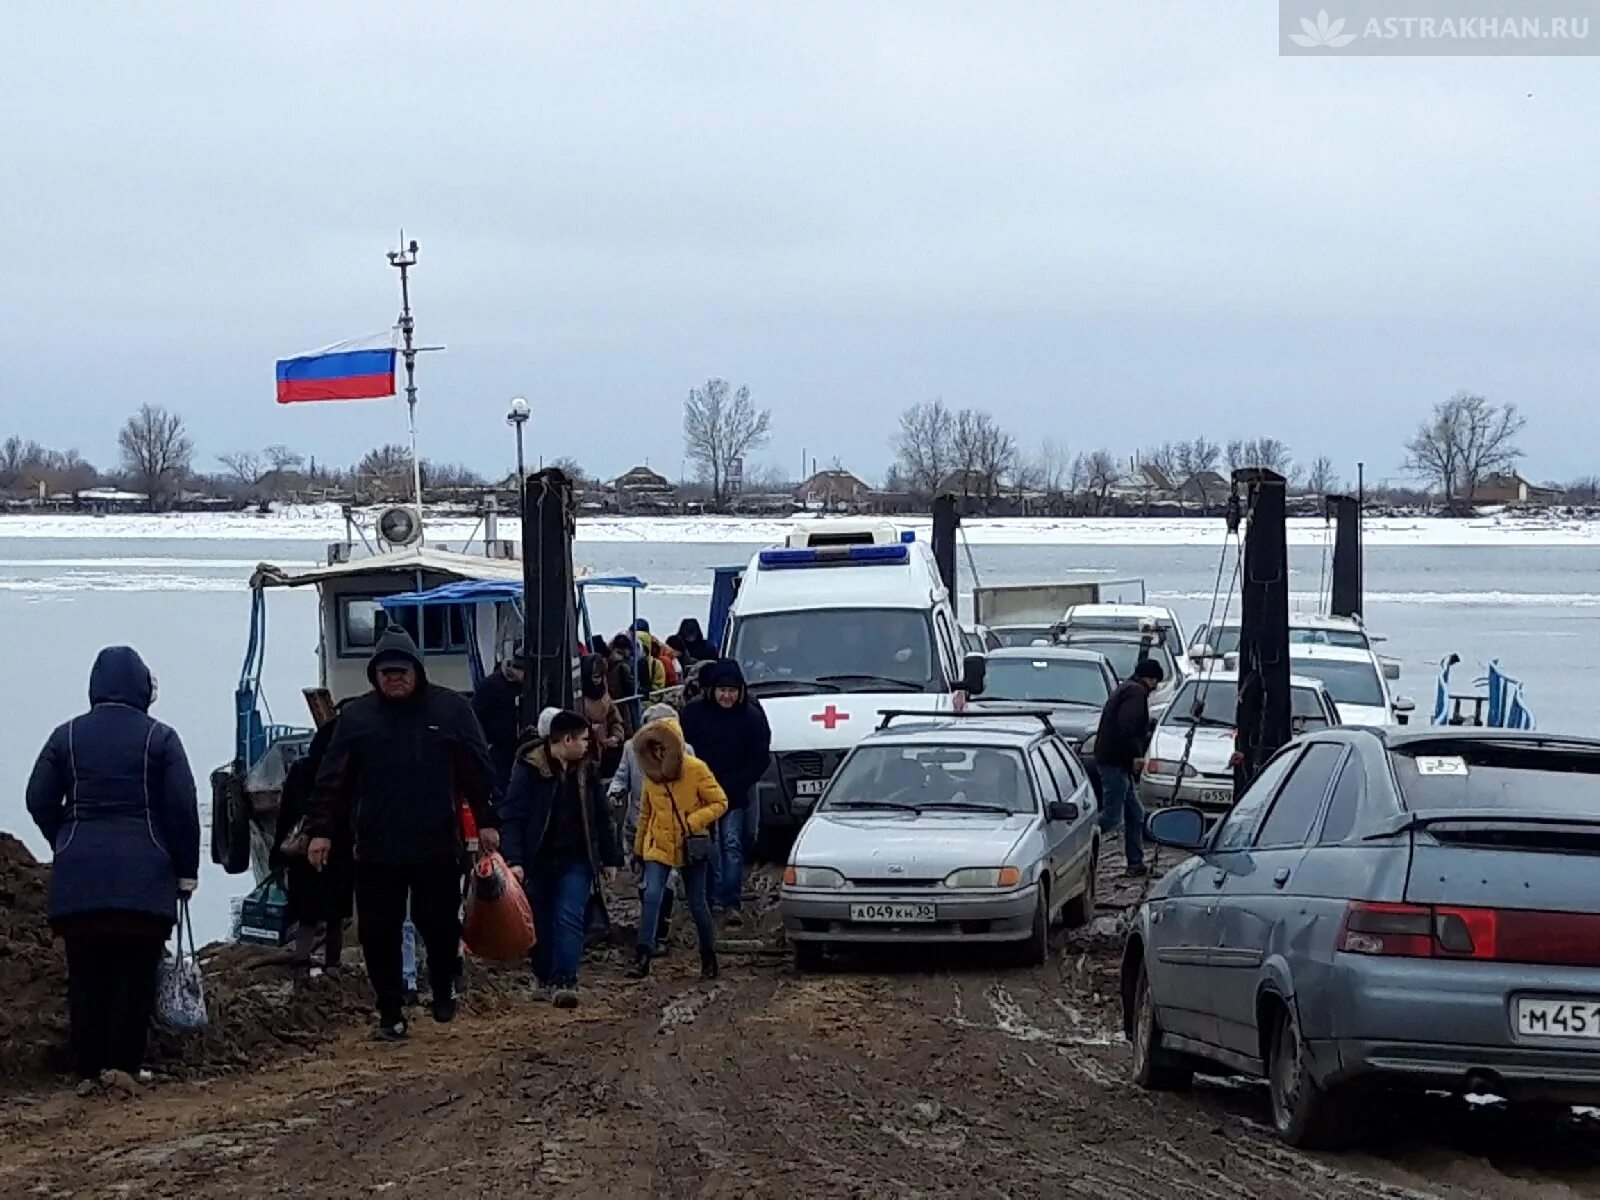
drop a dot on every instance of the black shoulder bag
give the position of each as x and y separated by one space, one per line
696 846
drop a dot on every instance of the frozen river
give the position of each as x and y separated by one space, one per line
175 588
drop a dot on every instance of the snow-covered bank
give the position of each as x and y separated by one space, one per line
324 523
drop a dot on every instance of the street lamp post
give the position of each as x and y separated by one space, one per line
517 418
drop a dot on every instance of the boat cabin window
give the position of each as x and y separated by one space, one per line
443 628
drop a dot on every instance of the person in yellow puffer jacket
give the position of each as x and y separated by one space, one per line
681 801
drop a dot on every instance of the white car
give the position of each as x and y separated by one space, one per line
1305 629
1202 722
1132 618
1357 682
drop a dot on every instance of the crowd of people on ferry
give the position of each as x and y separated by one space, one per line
381 814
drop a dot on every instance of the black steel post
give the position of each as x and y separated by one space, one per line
550 616
1345 599
1263 711
946 519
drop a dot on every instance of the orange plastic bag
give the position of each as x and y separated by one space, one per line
499 919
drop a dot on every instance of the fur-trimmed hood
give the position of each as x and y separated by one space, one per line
659 749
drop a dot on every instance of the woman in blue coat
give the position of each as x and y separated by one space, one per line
113 794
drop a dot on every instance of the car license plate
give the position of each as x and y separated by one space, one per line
1559 1019
898 914
1216 796
809 787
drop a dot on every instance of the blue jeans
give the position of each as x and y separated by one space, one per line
696 879
559 894
727 860
408 954
1122 807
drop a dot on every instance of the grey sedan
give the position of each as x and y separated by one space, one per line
1381 909
948 828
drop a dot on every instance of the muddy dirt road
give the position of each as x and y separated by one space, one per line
974 1080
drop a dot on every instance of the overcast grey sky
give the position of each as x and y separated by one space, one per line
1110 224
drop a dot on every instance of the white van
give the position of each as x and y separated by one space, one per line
843 621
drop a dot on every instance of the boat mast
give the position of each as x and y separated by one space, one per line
403 260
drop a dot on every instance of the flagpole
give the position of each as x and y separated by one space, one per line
403 260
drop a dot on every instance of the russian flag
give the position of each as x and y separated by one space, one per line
362 369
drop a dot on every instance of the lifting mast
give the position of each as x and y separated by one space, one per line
1346 598
946 520
1263 711
549 617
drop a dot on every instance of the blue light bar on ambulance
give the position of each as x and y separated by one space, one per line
833 556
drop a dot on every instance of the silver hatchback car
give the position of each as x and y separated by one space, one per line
946 828
1382 909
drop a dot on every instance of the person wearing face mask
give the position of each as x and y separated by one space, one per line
113 794
400 757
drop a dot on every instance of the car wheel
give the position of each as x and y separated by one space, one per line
810 957
1153 1067
1035 952
1305 1114
1080 909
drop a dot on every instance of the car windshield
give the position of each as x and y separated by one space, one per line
1218 702
1044 680
1020 635
1226 640
1347 682
947 777
836 650
1455 775
1125 624
1123 654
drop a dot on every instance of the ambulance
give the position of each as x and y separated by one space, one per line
842 621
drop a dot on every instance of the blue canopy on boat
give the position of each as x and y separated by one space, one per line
489 591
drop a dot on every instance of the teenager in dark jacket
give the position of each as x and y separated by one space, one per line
730 734
559 840
1119 746
316 898
692 644
399 758
113 794
497 702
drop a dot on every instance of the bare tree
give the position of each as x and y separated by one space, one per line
571 467
1047 470
1235 455
384 472
1166 459
156 453
983 453
1321 479
1584 490
1464 441
1099 473
721 426
925 446
244 466
449 475
281 458
1195 461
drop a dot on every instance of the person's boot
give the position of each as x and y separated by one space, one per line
641 964
708 964
390 1030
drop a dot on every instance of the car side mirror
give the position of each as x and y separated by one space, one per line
1062 810
1179 828
1404 706
1201 650
974 674
1391 669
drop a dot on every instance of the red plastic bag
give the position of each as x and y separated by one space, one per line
499 920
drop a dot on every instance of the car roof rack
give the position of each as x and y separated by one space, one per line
1042 715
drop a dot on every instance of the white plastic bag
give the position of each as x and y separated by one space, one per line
180 991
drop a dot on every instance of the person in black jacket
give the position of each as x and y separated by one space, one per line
400 756
559 840
730 734
497 700
1119 747
316 898
113 794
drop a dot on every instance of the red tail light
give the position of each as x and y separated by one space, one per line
1485 934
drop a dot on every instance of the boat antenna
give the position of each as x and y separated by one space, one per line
403 260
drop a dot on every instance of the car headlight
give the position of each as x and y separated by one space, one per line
983 877
813 877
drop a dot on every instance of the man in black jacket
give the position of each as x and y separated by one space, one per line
400 757
497 701
1119 747
559 841
730 734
